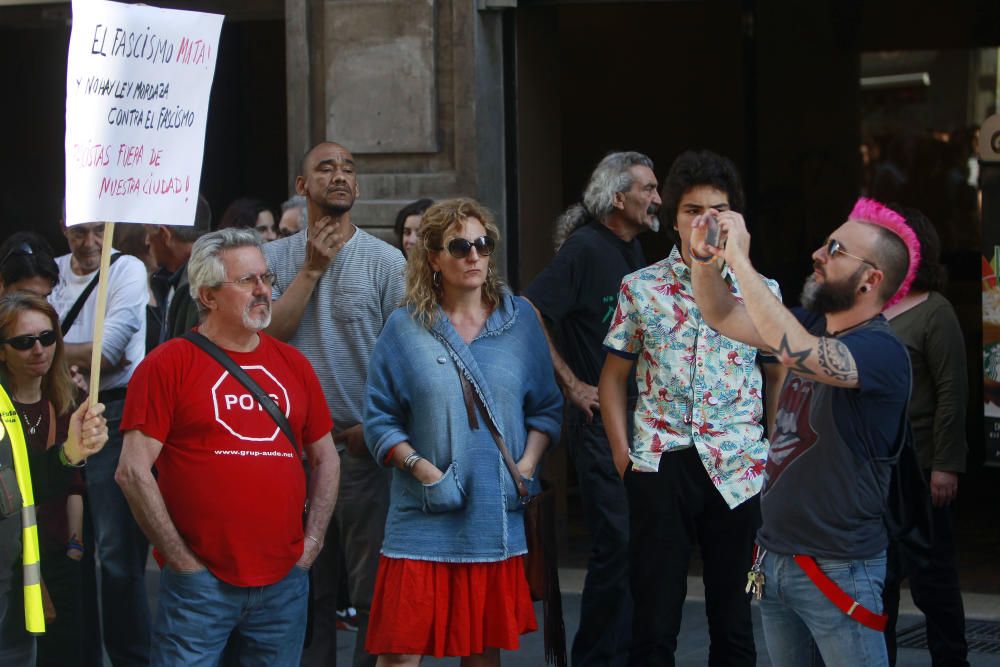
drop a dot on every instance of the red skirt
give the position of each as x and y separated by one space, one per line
449 609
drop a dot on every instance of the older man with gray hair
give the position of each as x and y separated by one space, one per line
576 295
293 216
225 511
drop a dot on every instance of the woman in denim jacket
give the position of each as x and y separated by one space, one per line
451 576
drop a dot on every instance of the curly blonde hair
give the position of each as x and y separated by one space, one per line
422 295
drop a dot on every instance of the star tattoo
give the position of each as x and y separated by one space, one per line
786 352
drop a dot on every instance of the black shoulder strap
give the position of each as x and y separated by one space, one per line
241 375
82 299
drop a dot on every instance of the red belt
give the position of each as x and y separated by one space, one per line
838 597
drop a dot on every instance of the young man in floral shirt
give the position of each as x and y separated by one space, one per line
693 469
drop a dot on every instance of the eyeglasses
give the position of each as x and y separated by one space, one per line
460 248
21 249
249 281
27 341
833 247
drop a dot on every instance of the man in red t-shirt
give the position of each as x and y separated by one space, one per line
225 510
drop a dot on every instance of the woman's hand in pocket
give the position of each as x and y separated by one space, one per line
445 493
534 447
426 472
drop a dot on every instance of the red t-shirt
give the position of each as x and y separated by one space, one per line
230 478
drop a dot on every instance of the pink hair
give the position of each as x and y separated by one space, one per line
875 213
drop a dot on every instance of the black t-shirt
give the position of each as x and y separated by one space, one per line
578 291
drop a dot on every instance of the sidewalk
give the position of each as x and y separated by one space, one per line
692 647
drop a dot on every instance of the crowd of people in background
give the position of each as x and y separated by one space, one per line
331 418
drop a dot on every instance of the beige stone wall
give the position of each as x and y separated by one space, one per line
412 87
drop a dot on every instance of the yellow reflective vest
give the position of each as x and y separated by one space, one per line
10 430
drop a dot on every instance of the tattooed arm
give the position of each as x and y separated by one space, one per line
719 307
826 359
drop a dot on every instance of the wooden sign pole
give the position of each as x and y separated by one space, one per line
102 304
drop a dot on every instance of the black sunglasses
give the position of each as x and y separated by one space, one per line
460 248
19 249
27 341
833 247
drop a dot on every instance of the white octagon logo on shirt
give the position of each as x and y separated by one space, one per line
238 411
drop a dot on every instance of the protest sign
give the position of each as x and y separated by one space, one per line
137 90
138 82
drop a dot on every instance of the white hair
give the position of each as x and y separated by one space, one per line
205 267
611 176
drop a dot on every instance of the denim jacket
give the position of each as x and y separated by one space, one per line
414 394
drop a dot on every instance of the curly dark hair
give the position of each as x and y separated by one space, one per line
694 168
931 273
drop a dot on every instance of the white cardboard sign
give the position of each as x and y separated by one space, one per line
137 90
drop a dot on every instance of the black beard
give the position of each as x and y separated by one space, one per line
336 210
830 297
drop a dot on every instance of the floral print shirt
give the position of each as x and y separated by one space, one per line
696 387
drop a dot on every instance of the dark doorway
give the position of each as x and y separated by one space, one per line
246 139
778 91
596 78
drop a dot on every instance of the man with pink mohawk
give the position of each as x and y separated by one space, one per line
820 563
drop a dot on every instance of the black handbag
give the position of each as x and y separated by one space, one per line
909 516
541 566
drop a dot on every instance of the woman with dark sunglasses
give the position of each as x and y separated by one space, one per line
35 378
451 576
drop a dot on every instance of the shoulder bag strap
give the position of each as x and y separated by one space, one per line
243 378
471 400
82 299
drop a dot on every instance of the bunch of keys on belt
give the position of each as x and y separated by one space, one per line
755 577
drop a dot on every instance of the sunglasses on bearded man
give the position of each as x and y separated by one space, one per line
833 247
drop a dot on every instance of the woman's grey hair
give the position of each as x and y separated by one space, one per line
298 201
295 202
611 176
205 268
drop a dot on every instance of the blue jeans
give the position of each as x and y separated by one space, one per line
197 612
122 550
802 627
